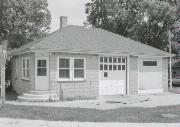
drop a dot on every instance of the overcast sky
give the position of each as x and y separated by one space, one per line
74 9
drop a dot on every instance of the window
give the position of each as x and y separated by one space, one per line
101 67
114 67
105 74
78 68
64 68
110 67
42 68
105 59
123 60
110 59
71 69
112 63
25 68
105 67
119 67
101 59
114 60
149 63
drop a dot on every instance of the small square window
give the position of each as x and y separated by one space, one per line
123 60
110 59
119 67
101 59
105 67
123 67
114 67
101 67
119 60
110 67
114 60
105 59
105 74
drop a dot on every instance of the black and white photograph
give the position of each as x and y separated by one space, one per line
89 63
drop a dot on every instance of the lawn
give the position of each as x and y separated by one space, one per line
91 115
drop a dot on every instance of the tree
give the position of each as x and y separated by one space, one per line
25 20
146 21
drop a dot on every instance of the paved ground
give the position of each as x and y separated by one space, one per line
114 102
6 122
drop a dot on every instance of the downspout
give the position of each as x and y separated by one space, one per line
49 74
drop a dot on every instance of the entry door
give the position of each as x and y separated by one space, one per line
42 77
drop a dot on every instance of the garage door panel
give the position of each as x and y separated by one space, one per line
150 80
112 87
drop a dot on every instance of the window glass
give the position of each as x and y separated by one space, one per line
123 60
110 67
119 67
119 60
79 73
63 63
105 67
64 73
42 68
101 59
114 67
105 59
123 67
101 67
114 60
110 59
78 63
149 63
105 74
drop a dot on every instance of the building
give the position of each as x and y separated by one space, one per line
83 62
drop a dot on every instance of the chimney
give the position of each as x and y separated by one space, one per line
63 21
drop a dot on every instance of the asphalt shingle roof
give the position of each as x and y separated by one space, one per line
94 40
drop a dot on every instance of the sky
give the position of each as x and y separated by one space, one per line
73 9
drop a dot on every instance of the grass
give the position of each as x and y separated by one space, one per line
141 115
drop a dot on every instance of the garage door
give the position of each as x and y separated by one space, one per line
112 76
150 75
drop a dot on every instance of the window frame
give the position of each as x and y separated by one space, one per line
156 63
71 69
42 67
26 69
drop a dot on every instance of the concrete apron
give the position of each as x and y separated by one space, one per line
7 122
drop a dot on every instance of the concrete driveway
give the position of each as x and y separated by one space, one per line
113 102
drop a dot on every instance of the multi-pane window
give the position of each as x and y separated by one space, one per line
42 68
71 69
25 68
112 63
64 68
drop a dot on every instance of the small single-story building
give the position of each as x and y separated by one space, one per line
78 61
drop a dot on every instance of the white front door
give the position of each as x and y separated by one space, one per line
42 74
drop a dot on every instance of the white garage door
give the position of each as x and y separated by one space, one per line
150 75
112 76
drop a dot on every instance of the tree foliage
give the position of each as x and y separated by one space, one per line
146 21
24 20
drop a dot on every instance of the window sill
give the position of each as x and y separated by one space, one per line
74 80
